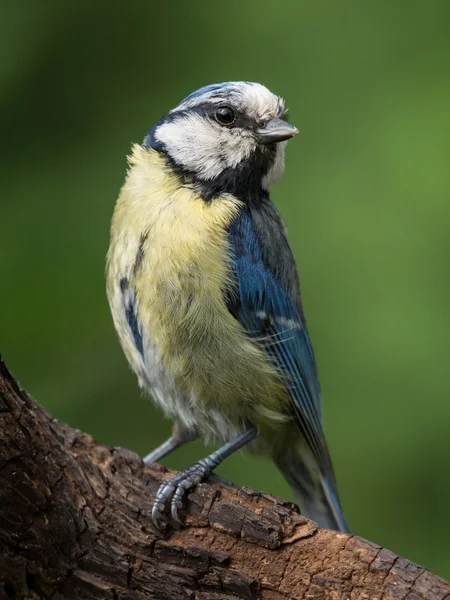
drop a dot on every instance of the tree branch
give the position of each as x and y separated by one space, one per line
75 524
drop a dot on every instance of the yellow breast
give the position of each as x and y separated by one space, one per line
172 248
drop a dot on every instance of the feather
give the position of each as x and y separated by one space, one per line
267 303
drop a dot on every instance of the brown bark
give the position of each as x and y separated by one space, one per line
75 523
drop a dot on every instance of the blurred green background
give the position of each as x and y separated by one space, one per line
365 197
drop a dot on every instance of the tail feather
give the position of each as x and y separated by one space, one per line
325 511
333 505
316 494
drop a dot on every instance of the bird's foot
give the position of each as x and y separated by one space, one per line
174 489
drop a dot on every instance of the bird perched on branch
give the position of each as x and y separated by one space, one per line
204 294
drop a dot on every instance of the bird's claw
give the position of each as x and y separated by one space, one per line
174 489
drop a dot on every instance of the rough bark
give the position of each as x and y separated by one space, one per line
75 523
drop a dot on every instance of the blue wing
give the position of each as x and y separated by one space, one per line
267 304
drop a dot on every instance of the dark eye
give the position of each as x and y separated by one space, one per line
225 115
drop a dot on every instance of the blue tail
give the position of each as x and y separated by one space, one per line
316 494
327 512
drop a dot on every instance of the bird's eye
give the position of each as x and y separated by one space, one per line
225 115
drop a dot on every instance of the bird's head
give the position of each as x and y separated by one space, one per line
227 137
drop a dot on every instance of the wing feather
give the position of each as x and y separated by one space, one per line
265 306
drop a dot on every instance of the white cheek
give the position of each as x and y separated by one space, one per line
277 169
202 146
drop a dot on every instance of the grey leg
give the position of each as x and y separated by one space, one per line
161 451
176 487
178 438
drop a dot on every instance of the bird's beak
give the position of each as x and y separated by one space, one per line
275 130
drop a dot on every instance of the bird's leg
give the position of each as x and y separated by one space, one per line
178 438
176 487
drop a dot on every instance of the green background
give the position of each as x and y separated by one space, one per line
365 197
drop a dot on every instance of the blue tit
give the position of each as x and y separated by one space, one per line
204 294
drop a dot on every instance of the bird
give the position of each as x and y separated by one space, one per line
204 293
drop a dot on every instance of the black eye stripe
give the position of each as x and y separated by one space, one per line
208 109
